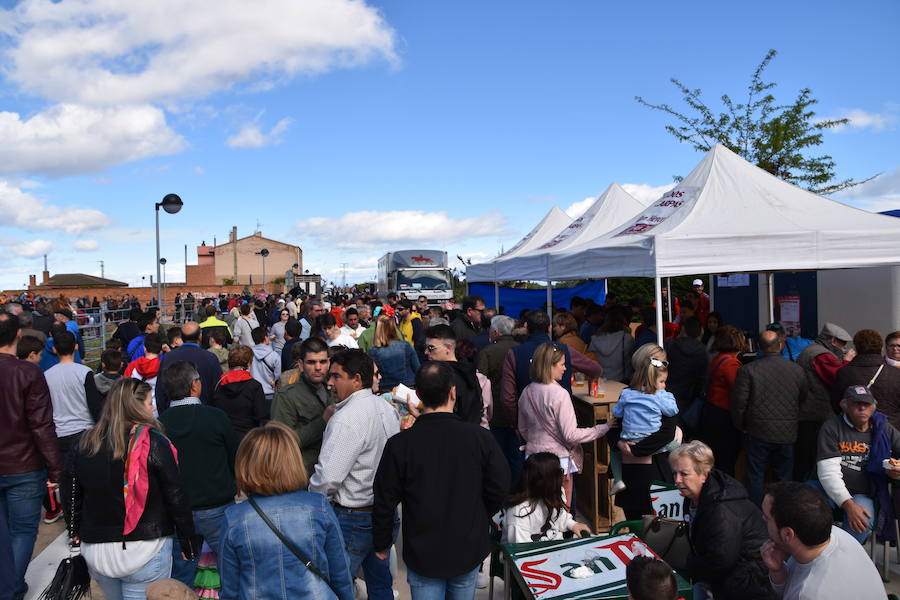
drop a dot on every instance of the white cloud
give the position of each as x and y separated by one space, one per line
26 211
30 249
643 193
647 194
68 138
577 209
878 195
409 227
252 136
85 245
860 119
103 52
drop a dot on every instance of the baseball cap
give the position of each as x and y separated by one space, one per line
859 393
697 282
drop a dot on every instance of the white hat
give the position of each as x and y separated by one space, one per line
697 282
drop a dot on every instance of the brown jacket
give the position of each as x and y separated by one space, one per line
574 342
27 434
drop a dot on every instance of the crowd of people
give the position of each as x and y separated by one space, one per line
280 441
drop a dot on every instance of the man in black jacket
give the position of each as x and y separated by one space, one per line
765 405
440 345
451 477
204 361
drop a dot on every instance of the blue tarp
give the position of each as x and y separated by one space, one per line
515 300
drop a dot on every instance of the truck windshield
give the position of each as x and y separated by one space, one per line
413 279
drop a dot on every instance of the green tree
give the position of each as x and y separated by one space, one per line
775 137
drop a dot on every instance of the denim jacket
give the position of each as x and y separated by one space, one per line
253 563
397 363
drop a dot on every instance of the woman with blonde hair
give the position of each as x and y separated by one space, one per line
283 542
126 530
547 419
396 359
726 529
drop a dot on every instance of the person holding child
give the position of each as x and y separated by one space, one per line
547 418
650 432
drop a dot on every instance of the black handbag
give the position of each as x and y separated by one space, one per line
669 539
72 580
292 546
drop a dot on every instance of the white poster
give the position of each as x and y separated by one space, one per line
667 501
553 572
659 211
736 280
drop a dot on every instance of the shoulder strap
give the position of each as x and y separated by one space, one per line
291 546
875 376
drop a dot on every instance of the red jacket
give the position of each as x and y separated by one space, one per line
719 391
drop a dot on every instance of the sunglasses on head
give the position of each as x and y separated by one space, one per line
659 363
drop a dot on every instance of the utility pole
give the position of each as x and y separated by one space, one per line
344 271
102 272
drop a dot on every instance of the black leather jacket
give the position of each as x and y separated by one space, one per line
99 504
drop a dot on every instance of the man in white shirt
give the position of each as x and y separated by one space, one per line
352 327
823 561
351 450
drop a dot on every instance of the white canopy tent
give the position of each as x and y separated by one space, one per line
553 222
612 208
729 216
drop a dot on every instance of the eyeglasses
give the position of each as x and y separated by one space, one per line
893 346
659 363
478 309
431 348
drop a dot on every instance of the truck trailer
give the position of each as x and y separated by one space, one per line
416 273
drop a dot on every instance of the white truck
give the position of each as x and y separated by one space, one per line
416 273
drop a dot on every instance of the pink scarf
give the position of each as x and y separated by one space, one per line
137 479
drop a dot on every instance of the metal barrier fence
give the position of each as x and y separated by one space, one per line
97 325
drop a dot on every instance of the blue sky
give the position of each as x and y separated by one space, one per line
354 128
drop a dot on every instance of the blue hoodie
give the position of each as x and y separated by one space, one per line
641 414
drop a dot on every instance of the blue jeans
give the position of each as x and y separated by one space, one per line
208 524
21 497
461 587
134 586
759 454
356 527
861 499
510 443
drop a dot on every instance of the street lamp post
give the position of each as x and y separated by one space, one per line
264 253
171 203
162 300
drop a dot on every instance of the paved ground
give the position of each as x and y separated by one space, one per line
50 548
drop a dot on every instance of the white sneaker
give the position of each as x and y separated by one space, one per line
617 487
482 581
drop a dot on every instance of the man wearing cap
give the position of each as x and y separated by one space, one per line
821 361
850 452
703 305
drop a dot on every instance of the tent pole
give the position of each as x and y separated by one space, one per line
669 304
497 297
770 293
550 300
712 292
659 313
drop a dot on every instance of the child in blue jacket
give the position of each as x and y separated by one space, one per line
641 409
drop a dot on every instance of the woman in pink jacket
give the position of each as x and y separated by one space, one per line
547 418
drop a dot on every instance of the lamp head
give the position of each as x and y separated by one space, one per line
171 203
162 261
264 252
